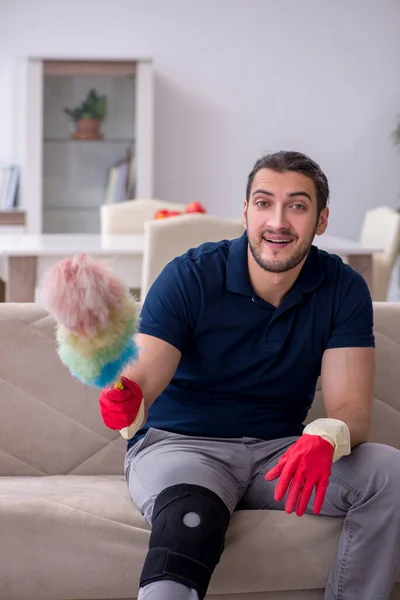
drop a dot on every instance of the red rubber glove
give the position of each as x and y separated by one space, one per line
119 408
305 465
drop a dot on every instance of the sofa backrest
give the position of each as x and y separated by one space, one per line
50 423
385 427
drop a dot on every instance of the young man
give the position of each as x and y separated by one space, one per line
233 338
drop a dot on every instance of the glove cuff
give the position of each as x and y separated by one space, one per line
334 431
128 432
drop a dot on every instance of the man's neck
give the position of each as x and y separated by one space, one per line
271 287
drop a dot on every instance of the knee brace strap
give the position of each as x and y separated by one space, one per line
187 538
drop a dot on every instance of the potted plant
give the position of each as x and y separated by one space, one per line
88 116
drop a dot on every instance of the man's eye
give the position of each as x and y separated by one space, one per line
298 206
261 203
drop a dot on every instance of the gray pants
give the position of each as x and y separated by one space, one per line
364 487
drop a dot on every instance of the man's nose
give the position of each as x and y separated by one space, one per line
277 218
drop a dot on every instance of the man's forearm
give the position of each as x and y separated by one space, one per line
155 367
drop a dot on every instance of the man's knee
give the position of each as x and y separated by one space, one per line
380 465
377 456
187 538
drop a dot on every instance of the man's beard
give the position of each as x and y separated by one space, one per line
280 266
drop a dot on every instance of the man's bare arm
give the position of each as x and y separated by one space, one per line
347 382
155 367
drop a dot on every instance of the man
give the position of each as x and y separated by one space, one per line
233 338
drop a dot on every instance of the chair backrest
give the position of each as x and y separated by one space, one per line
130 216
169 238
381 227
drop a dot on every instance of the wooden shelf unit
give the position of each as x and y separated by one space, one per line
28 145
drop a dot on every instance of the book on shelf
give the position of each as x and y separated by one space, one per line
120 181
9 182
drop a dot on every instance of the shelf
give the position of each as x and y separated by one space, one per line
120 68
65 180
48 140
12 217
71 207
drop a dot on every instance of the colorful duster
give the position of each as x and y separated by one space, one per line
96 319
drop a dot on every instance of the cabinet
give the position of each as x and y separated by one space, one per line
64 178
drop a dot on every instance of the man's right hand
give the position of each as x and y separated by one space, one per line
120 407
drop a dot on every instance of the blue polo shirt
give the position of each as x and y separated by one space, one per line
248 369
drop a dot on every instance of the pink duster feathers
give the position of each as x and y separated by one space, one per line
96 319
80 293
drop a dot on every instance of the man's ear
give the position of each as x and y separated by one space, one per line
323 221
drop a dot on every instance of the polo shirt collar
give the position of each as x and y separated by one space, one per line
237 274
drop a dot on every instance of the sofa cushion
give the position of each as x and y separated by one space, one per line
50 423
82 537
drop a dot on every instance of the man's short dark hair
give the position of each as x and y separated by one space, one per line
284 161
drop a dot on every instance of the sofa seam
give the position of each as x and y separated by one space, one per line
111 442
50 407
42 473
85 512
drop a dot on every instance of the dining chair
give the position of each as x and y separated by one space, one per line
129 217
381 227
169 238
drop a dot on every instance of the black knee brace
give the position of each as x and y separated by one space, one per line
187 538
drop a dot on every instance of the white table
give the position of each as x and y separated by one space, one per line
357 256
28 256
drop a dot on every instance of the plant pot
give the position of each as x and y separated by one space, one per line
87 129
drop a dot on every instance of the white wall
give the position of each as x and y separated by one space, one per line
235 78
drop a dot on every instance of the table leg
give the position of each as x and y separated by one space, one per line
363 264
21 279
2 291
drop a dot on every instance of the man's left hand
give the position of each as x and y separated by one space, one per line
304 466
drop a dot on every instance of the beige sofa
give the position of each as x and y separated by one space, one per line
68 529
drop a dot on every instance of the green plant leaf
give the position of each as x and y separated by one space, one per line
100 108
93 106
74 113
